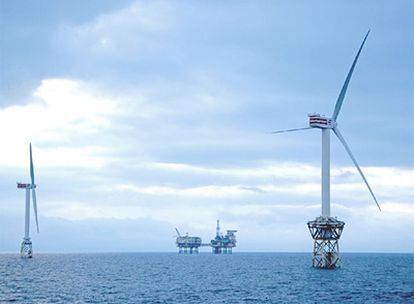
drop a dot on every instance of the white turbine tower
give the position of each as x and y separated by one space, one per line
26 247
327 230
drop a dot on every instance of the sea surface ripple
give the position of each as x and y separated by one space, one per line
204 278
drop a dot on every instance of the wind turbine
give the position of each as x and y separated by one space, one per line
26 246
327 230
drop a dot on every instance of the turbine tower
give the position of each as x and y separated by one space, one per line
26 247
326 230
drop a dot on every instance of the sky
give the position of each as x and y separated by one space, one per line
150 115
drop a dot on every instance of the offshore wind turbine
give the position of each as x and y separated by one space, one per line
26 250
326 230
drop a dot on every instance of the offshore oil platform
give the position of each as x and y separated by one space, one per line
187 244
221 244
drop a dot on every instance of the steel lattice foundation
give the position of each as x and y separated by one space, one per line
326 232
26 250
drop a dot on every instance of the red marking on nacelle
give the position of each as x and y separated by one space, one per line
319 121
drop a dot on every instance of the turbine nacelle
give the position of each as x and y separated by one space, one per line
319 121
25 186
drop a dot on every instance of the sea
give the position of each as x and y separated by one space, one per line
205 278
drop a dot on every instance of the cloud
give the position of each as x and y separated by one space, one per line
233 188
206 191
77 124
127 31
163 120
61 112
285 170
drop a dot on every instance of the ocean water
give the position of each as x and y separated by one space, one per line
204 278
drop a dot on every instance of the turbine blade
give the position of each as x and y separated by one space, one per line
341 96
342 140
35 208
31 165
290 130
